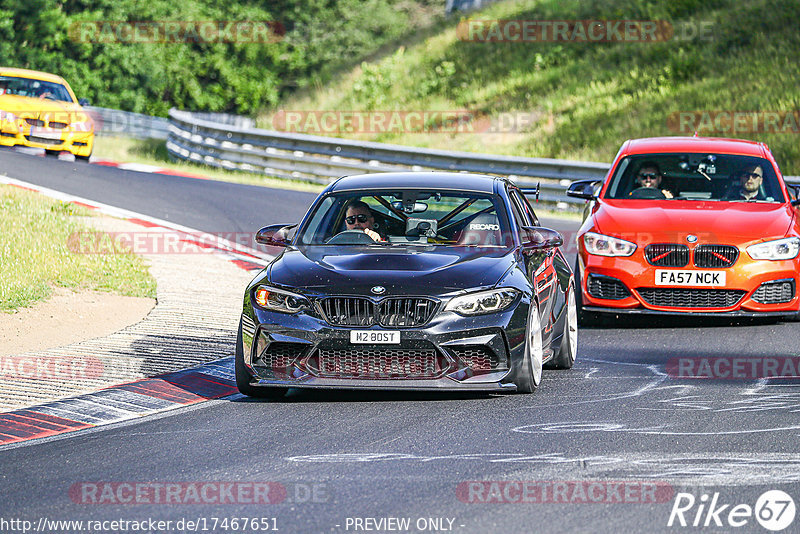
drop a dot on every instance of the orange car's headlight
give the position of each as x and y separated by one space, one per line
605 245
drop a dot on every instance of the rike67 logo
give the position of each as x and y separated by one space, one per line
774 510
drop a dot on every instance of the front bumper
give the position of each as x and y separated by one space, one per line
450 353
78 143
637 276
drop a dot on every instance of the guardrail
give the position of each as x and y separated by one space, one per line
115 122
322 159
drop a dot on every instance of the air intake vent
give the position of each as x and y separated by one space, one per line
691 298
606 287
775 292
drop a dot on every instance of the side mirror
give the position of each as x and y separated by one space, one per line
584 189
796 190
83 102
276 235
540 237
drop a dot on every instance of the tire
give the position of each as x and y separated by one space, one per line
585 318
52 153
83 158
529 375
568 350
243 376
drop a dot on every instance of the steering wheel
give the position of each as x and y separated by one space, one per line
646 192
351 237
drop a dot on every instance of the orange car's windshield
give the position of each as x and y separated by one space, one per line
695 176
12 85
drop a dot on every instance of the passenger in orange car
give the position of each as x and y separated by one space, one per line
649 177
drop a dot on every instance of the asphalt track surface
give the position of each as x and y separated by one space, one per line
618 421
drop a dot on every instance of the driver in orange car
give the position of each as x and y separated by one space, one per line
649 177
359 217
750 183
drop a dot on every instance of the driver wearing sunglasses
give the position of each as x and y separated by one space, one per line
359 217
649 177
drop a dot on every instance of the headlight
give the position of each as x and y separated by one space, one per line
8 116
82 124
482 302
780 249
604 245
280 300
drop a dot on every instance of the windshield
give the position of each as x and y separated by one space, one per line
406 217
34 89
691 176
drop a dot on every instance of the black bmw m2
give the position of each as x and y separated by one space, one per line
418 281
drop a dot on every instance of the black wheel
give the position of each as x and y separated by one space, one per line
52 153
585 318
243 376
565 358
83 158
529 375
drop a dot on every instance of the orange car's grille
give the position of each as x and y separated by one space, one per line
775 292
667 255
715 256
606 287
691 298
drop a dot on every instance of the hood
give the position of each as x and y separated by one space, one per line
671 221
401 270
25 107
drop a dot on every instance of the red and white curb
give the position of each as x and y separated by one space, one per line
137 167
146 396
242 256
141 397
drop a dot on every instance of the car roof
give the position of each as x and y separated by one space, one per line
33 74
718 145
479 183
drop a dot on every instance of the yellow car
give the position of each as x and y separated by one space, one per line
40 110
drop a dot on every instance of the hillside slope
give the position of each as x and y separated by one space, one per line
578 100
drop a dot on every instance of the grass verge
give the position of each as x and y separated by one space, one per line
35 256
